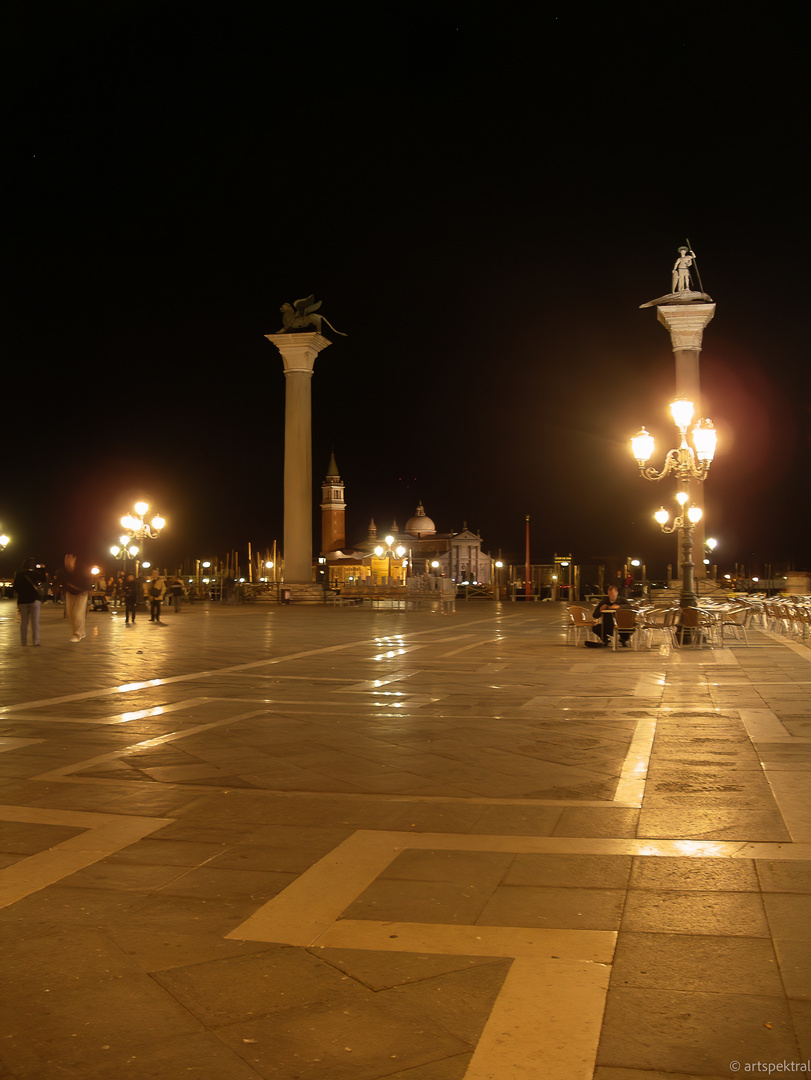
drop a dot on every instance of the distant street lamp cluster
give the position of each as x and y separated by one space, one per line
136 528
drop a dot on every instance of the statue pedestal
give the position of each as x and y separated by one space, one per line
298 355
686 323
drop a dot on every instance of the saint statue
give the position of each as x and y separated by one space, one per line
681 270
681 282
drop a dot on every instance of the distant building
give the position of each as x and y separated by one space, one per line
394 555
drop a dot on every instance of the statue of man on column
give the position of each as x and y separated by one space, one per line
681 270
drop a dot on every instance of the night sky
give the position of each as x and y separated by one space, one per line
482 199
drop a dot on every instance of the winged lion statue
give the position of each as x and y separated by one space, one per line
301 314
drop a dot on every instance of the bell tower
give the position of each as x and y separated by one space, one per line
333 510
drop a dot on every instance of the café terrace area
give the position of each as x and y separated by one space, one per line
268 842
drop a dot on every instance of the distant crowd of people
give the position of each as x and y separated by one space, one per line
74 585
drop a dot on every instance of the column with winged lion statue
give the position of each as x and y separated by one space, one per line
300 340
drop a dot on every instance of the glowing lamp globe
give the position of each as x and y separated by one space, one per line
705 438
682 411
642 446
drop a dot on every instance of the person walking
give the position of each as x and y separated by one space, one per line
77 591
177 593
28 585
131 592
157 591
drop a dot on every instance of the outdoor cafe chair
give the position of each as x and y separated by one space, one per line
580 622
663 620
625 619
700 627
737 620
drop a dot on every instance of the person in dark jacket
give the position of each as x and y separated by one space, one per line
27 585
157 591
132 591
604 617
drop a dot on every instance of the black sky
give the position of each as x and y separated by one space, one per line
481 198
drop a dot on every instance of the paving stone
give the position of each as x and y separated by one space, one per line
419 901
563 908
573 871
697 1033
687 962
357 1042
609 821
236 989
710 823
382 970
791 876
454 1068
481 868
801 1015
664 911
606 1073
27 838
73 1028
789 915
685 874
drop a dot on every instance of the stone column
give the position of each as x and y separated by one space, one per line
298 355
685 323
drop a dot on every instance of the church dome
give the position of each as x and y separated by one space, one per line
420 525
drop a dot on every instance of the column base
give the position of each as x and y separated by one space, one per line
301 593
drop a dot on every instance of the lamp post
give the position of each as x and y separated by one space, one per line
497 565
125 551
710 545
388 551
137 527
687 463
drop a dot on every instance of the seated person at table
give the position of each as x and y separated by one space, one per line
604 618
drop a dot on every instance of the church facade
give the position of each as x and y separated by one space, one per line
394 556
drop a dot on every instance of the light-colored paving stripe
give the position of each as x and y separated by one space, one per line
762 725
802 650
473 645
115 718
790 788
370 685
650 686
530 1027
11 743
65 771
106 834
631 787
788 780
450 939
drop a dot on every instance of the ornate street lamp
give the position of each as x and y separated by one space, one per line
388 552
137 528
126 550
689 462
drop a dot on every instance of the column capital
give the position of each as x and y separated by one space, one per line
685 323
298 350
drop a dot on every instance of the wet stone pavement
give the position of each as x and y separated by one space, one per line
270 843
